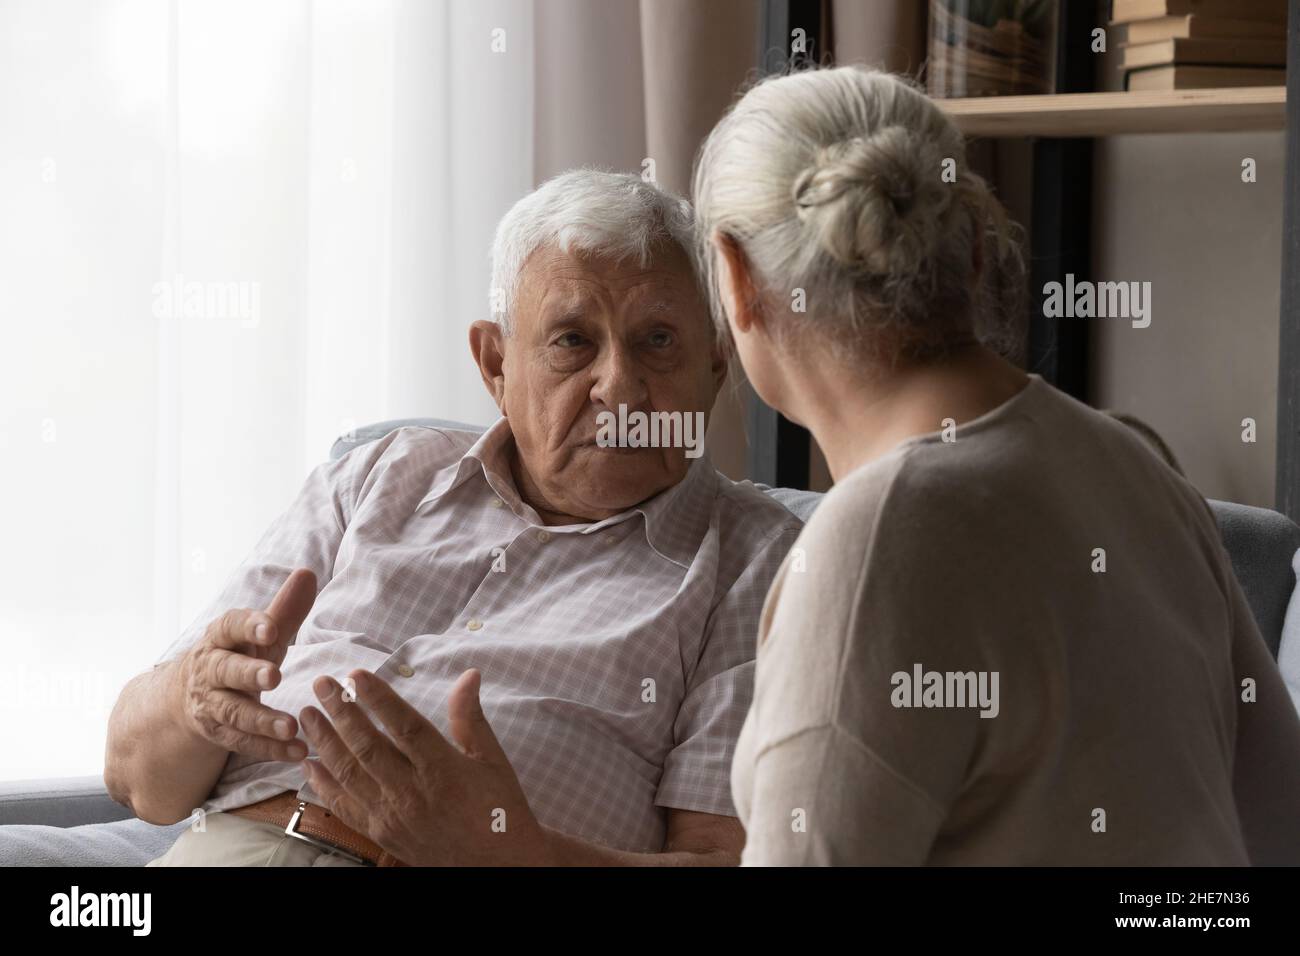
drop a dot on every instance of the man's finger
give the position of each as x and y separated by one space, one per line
410 731
244 714
242 629
231 630
335 798
255 745
291 605
469 725
237 671
376 752
352 771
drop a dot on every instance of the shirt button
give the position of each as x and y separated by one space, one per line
543 536
495 503
406 670
474 624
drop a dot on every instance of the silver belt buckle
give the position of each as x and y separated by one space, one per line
318 843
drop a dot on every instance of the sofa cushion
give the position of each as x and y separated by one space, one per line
1261 543
129 842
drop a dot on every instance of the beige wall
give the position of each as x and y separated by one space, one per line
589 105
886 34
1172 210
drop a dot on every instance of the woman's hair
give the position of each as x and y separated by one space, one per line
849 188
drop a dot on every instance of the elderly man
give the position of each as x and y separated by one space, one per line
526 647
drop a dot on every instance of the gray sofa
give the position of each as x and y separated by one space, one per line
73 821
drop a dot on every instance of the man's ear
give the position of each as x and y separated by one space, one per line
487 343
736 284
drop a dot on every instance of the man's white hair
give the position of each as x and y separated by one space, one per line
590 211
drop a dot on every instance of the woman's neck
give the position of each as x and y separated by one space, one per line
858 414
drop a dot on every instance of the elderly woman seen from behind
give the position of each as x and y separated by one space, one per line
1009 635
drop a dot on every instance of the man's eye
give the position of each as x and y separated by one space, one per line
661 339
570 340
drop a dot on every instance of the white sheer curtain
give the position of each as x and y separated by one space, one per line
229 231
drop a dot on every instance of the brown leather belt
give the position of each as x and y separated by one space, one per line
317 826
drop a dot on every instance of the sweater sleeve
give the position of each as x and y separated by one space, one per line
846 765
823 798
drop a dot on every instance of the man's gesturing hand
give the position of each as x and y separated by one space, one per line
425 800
222 677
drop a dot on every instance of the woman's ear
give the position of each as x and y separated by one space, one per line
736 285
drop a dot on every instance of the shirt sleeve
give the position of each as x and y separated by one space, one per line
307 534
697 771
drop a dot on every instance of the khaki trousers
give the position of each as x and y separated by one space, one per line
228 840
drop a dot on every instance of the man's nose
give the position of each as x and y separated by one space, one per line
618 381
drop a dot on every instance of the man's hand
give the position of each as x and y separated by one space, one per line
421 798
221 678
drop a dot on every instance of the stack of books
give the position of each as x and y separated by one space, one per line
1200 44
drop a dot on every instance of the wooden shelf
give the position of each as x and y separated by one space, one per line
1109 114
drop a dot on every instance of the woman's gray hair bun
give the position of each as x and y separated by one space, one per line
833 184
874 203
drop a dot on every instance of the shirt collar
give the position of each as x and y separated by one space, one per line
675 520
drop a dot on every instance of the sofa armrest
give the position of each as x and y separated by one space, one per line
58 801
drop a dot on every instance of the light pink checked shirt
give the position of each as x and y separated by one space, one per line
429 563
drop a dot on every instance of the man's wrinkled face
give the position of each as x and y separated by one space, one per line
589 334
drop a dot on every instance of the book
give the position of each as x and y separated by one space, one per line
968 59
1204 51
1198 26
1201 77
1126 11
